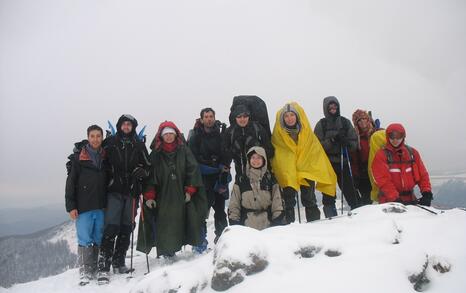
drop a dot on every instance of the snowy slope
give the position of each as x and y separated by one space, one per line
371 251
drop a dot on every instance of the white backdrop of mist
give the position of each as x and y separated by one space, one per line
66 64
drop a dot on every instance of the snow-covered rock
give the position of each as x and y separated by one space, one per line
379 248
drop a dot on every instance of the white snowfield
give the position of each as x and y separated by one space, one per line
374 250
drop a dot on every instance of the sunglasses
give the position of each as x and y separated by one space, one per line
242 116
396 135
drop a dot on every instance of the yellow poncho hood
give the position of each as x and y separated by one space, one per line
377 141
293 163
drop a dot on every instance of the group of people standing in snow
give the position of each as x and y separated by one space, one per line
181 180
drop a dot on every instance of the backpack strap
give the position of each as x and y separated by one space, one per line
390 160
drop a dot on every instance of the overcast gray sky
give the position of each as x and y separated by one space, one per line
66 64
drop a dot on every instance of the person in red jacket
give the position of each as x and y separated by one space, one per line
365 127
398 168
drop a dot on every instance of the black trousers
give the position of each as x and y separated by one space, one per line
346 184
364 187
217 202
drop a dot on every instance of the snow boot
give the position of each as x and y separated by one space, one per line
201 248
312 213
121 247
86 264
103 277
330 211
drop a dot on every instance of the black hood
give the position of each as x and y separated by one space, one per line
328 101
123 118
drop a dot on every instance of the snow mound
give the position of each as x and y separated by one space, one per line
379 248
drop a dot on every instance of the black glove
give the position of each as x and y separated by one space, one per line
233 222
426 198
341 139
139 173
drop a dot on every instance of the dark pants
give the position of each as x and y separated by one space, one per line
346 184
308 199
364 187
217 202
119 218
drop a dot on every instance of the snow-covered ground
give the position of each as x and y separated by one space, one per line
373 250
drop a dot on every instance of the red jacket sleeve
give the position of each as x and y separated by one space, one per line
382 177
424 180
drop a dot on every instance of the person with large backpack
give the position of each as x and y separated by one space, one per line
129 164
175 204
365 127
249 126
256 200
338 137
85 197
300 162
398 168
205 142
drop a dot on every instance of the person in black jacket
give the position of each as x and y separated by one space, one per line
85 197
205 142
129 163
339 139
243 135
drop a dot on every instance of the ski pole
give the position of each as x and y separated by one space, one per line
133 205
299 210
356 193
341 177
426 209
144 232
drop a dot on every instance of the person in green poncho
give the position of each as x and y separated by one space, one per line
175 202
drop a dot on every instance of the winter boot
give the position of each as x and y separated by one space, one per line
330 211
86 264
95 260
312 213
121 247
105 259
201 248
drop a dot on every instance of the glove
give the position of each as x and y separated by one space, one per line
151 203
426 198
233 222
187 197
139 173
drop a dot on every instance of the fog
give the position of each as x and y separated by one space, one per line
66 64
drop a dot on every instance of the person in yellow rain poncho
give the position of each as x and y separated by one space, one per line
377 141
300 162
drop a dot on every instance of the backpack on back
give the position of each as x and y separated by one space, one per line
257 108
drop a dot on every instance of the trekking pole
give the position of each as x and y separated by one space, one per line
144 232
341 177
133 205
299 210
356 193
426 209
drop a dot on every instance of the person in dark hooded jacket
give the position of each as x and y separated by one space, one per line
175 204
243 135
338 138
129 164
